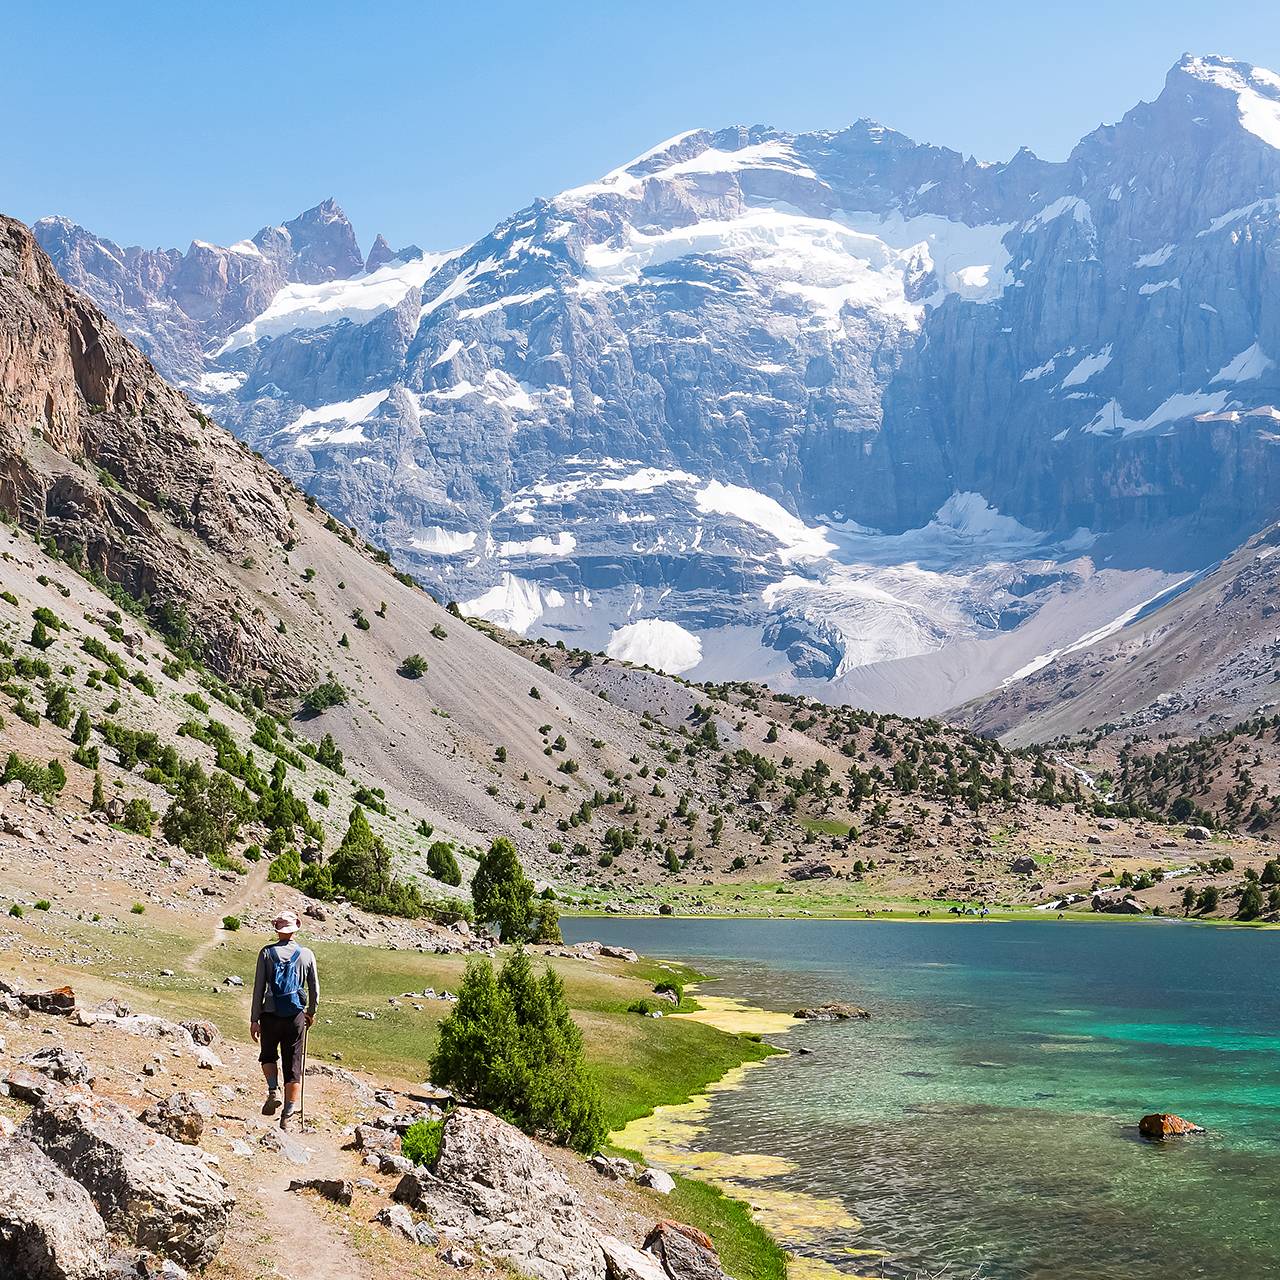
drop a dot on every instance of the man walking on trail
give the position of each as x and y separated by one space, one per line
286 991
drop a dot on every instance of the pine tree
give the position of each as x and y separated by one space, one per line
501 893
99 801
80 734
510 1044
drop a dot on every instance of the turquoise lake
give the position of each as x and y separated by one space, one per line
984 1121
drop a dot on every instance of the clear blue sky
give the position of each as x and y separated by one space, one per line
158 123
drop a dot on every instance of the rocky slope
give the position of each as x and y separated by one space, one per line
838 410
1196 664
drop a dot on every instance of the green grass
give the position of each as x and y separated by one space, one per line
746 1249
825 826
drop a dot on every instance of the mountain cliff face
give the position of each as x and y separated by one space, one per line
842 411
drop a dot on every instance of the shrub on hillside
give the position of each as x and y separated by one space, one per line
328 694
205 815
414 666
45 780
442 865
422 1141
510 1045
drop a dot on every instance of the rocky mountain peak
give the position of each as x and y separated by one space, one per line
322 244
379 254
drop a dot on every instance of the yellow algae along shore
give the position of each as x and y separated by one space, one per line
668 1138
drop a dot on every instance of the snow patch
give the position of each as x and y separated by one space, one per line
438 541
1087 367
515 603
1251 363
652 642
798 541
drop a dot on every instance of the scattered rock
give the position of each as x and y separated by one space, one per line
811 871
1024 865
615 1168
30 1086
148 1188
286 1145
202 1033
625 1262
339 1190
619 953
495 1188
370 1137
61 1001
64 1065
1198 833
181 1116
1163 1124
456 1256
49 1228
656 1180
398 1218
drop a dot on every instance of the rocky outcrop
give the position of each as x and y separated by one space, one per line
1164 1124
49 1228
128 479
493 1188
149 1189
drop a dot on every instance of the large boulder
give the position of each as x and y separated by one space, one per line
493 1187
1164 1124
150 1189
49 1229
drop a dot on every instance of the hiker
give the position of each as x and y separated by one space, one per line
285 993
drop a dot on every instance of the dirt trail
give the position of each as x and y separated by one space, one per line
251 888
304 1244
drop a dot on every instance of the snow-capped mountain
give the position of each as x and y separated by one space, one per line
840 410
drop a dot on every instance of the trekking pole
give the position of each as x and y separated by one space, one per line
302 1098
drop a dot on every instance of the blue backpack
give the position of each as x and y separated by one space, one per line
285 978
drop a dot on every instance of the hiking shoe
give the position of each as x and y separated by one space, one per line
272 1104
288 1120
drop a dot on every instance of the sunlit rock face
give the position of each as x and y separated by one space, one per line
842 411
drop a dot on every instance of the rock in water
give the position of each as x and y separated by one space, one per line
835 1011
49 1229
685 1252
148 1188
493 1187
1163 1124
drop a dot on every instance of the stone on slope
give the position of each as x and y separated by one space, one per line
155 1192
686 1253
64 1065
658 1180
398 1219
181 1116
626 1262
49 1228
494 1188
339 1190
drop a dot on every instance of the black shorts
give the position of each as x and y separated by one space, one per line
283 1037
